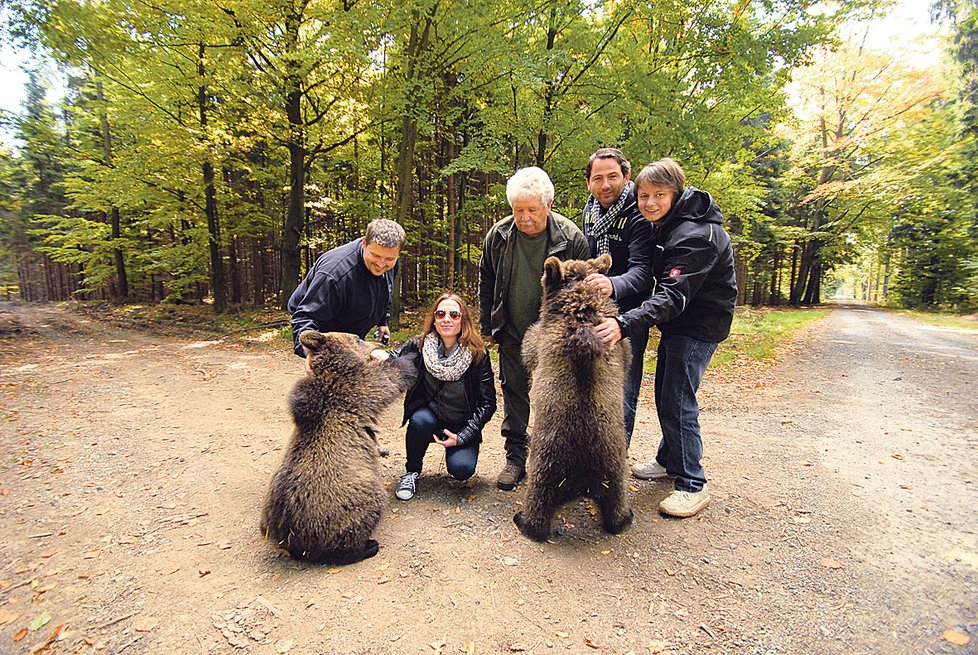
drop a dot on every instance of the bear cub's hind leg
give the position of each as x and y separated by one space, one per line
616 515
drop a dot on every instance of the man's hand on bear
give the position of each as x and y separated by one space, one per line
608 331
448 439
600 282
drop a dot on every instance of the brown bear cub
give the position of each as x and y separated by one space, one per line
327 496
577 384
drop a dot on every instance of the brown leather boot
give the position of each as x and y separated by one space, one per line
511 475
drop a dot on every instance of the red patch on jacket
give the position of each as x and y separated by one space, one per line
675 272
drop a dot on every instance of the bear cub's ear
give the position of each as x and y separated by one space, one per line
601 264
312 340
552 275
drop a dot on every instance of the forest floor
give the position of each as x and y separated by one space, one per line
133 463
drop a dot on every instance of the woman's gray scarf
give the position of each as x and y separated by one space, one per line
598 225
446 369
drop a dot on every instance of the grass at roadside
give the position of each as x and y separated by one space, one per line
944 320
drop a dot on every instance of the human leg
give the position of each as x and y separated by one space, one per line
420 433
680 366
515 384
633 381
461 461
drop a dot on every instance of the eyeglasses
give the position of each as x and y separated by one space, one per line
440 313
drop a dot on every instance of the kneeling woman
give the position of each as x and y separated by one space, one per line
454 395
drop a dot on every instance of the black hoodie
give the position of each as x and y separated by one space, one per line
695 285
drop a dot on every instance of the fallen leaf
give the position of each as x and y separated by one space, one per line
605 552
632 487
510 561
956 638
906 486
830 563
591 644
39 621
50 640
334 571
20 634
896 456
145 625
4 492
7 617
670 572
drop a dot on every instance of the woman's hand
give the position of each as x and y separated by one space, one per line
609 331
448 439
380 355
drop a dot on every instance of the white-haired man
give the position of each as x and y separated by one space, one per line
510 291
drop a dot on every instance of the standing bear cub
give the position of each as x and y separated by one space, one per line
577 384
327 497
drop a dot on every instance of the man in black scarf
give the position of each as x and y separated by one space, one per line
613 224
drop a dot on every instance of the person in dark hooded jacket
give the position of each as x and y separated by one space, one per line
692 304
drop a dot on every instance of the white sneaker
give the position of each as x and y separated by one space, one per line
684 504
651 471
408 486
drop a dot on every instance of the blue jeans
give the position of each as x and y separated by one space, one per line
633 381
678 371
460 460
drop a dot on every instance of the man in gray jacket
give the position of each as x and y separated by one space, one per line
510 292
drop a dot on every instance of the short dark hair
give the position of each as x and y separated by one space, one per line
608 153
665 173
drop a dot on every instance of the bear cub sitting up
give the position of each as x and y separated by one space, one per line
327 496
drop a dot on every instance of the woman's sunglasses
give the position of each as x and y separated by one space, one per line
440 313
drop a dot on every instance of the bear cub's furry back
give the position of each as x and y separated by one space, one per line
327 497
577 383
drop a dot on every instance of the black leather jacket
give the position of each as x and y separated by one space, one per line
480 390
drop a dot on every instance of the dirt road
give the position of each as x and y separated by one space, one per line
844 519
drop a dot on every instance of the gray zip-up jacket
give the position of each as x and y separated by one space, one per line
564 241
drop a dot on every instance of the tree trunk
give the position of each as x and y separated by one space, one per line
296 144
210 198
417 44
122 280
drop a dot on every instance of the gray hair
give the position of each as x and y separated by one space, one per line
529 182
386 233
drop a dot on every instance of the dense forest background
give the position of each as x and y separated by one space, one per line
209 151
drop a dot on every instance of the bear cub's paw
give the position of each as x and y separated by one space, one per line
528 530
620 525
